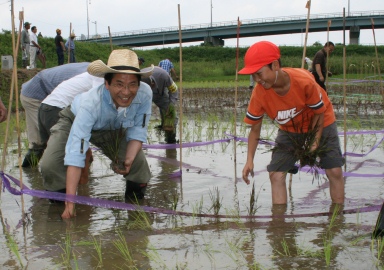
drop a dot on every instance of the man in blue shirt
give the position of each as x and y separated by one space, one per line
122 107
167 65
33 92
70 47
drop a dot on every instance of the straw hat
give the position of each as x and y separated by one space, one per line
119 61
73 35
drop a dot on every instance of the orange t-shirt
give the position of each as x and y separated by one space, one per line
293 111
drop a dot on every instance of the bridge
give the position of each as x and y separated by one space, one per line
216 33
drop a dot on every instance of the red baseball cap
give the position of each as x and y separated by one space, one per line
258 55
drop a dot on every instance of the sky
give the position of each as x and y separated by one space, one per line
131 15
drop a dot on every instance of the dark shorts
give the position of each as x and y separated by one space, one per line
283 161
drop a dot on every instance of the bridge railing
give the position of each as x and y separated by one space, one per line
247 21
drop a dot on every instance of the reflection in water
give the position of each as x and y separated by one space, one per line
159 241
282 237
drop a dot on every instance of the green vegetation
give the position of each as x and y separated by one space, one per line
203 66
206 63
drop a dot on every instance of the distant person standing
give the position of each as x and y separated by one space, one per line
167 65
70 46
165 95
60 48
141 60
33 48
25 41
319 68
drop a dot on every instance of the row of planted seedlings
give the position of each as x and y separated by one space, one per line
363 98
213 99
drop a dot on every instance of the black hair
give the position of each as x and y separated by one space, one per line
329 43
109 76
270 64
33 28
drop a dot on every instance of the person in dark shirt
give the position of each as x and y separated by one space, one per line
319 68
60 48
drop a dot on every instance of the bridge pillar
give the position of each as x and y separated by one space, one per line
354 35
215 41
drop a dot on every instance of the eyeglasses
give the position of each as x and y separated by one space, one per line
131 87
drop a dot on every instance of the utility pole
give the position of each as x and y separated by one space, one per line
211 12
86 2
349 9
95 22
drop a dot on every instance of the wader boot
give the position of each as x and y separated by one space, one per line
32 158
170 137
135 191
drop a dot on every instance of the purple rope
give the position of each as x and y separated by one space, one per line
184 145
126 206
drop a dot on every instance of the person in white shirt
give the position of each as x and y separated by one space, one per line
61 97
33 48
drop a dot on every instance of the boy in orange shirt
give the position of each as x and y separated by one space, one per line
292 98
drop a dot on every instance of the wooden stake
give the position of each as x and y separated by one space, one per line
327 63
236 84
180 92
345 90
14 86
69 44
11 91
308 6
377 60
235 103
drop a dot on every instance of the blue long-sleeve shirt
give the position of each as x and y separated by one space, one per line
70 43
95 110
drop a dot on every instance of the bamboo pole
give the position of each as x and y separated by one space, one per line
180 92
69 43
235 103
327 63
110 38
11 91
236 82
14 87
15 81
344 90
377 59
308 6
